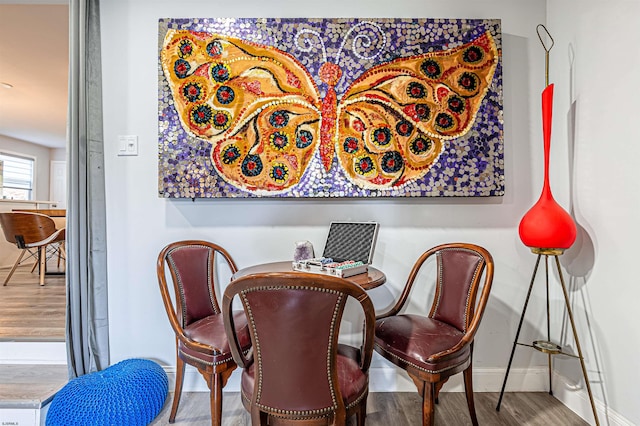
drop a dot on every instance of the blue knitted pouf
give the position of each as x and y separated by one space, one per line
131 392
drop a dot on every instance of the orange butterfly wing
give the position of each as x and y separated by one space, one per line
393 121
255 104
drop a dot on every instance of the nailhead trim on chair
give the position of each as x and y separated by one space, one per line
417 366
333 323
229 358
475 274
306 413
257 342
466 306
288 413
180 287
211 258
353 404
200 360
282 412
358 399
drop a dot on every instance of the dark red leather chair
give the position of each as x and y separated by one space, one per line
196 318
432 348
297 370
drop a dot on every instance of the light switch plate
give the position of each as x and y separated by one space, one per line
127 145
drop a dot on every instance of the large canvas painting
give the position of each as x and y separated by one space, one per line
330 108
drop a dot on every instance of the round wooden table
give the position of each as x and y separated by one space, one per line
372 279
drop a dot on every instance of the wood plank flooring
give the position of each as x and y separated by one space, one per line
32 386
29 311
400 409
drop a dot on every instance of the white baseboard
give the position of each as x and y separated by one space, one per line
576 398
391 379
33 353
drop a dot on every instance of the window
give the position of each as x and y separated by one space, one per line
17 177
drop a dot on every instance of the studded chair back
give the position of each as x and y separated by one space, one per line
459 272
193 271
297 369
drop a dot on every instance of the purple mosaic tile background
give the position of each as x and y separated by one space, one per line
469 166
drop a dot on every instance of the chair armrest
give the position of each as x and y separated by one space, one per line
232 336
197 346
386 314
368 332
397 307
449 353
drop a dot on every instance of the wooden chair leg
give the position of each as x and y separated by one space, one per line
258 418
62 253
35 264
215 388
59 250
13 269
177 392
340 417
42 257
361 413
468 389
428 404
437 388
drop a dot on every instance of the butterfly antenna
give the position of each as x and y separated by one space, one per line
546 49
364 40
305 44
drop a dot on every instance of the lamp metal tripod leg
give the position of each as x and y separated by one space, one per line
546 270
575 337
515 341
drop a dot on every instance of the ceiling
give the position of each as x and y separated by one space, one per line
34 59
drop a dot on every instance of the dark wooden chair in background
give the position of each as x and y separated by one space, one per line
196 318
33 233
432 348
297 371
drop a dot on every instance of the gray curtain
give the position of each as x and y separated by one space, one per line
87 325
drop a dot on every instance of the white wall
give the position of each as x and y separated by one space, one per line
58 154
256 231
595 67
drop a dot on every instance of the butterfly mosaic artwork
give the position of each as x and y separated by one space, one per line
330 108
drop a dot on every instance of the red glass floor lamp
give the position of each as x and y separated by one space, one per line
548 230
